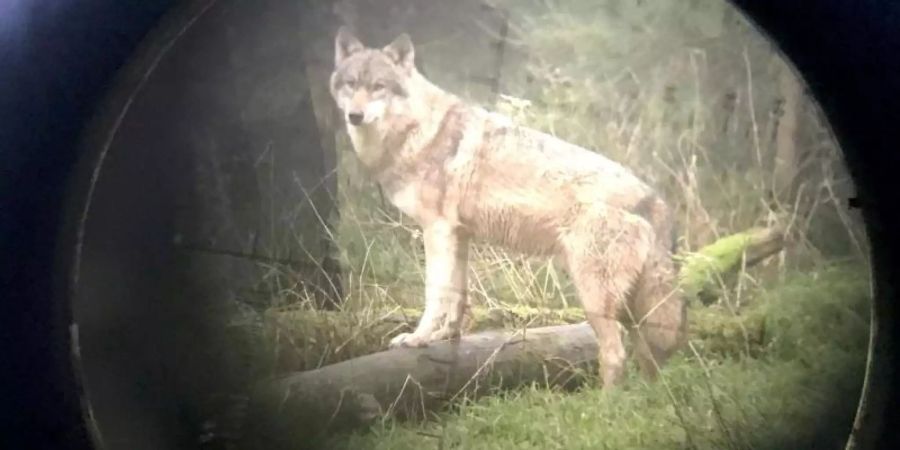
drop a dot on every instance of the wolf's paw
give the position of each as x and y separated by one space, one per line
408 340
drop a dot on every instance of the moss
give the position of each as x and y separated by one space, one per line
702 272
719 333
787 320
519 316
794 319
302 339
825 309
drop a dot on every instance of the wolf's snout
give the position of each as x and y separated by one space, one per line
355 118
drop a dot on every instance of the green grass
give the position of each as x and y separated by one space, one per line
800 388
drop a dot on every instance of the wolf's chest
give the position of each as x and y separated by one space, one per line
422 199
407 198
367 144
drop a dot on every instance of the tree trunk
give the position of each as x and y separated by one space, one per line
786 158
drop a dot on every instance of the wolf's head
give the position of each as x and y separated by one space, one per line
366 82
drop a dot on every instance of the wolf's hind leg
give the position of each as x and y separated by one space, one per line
446 264
604 264
609 334
659 314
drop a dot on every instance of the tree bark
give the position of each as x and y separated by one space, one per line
786 158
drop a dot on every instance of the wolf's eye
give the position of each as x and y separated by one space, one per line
350 83
378 87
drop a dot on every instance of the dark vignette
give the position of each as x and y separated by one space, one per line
58 63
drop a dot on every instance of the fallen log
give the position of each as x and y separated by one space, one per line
410 383
703 273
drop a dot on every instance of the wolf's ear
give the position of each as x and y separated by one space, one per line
401 51
345 44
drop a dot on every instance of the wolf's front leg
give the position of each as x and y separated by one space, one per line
446 261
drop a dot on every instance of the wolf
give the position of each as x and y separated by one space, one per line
464 173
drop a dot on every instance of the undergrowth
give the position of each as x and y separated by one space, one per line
798 391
